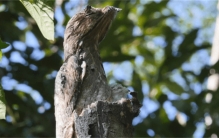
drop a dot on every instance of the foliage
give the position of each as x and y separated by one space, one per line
3 44
2 104
2 94
43 14
140 41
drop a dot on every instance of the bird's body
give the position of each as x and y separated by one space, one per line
81 80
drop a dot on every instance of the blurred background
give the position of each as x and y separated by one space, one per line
160 49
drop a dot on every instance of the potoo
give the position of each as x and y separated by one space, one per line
81 79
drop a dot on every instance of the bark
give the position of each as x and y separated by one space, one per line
85 105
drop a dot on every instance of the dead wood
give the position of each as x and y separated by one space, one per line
85 105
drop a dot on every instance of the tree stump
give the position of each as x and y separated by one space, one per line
85 105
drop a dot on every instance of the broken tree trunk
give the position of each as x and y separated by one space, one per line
85 105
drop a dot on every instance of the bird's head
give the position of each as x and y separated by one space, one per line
92 24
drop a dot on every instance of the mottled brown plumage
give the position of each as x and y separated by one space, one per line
81 79
89 26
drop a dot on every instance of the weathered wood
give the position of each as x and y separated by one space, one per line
104 119
81 84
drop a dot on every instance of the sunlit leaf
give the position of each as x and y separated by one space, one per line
43 14
2 103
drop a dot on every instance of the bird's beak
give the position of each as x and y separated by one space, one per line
117 9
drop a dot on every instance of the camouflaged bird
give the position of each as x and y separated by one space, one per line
81 79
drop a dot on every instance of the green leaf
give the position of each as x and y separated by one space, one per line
2 104
3 44
173 87
137 85
156 22
43 14
147 54
169 37
118 58
188 41
0 55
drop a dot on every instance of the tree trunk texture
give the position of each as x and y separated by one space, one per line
85 105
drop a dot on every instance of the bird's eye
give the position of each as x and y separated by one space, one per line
88 8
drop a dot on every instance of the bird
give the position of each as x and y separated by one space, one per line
81 79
